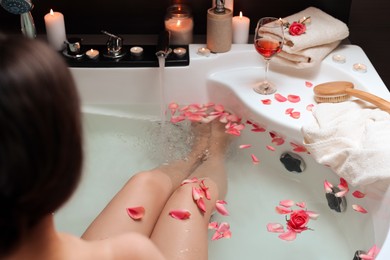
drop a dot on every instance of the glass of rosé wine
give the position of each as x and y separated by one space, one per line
268 42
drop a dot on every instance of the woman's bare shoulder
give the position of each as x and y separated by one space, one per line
128 246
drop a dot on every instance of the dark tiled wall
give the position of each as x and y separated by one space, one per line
146 17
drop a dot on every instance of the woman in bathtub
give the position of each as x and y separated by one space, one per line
41 162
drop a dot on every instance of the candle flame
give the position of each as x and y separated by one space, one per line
178 23
51 12
240 14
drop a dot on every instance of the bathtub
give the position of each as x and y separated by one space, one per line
122 116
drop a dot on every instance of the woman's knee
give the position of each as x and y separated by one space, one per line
152 179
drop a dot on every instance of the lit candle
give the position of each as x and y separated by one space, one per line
179 52
136 50
359 67
92 54
55 30
180 24
240 29
339 58
204 52
228 4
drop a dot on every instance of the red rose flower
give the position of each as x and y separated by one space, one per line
297 28
298 221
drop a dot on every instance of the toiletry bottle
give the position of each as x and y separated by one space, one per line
219 28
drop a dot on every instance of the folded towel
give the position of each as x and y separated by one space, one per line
353 139
323 34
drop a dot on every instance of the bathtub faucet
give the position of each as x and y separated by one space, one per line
163 49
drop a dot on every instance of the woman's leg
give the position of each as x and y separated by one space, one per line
149 189
187 239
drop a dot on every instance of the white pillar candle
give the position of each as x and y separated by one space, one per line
180 29
240 29
228 4
55 30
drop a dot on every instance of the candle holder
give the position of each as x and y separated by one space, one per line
179 22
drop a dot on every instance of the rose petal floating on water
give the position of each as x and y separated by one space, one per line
293 98
301 204
275 228
245 146
136 213
343 184
283 210
359 208
298 148
341 193
288 236
328 187
295 115
220 206
254 159
223 231
371 254
270 148
358 194
173 107
266 101
312 215
177 119
280 98
219 108
286 203
180 214
258 128
308 84
289 111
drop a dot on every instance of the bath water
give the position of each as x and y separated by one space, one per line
123 140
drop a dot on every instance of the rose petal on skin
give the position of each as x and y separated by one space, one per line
283 210
205 190
275 228
136 213
295 115
312 215
280 98
220 206
196 193
270 148
328 187
233 118
254 159
358 194
286 203
245 146
266 101
180 214
192 180
201 205
310 107
288 236
301 204
308 84
293 98
213 225
359 208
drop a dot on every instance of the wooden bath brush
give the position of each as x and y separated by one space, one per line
339 91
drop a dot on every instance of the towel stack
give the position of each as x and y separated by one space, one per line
323 34
352 138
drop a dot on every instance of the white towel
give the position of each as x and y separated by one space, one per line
353 139
323 34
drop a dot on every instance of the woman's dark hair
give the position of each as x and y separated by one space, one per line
40 136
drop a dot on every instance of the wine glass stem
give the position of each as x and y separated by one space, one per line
266 70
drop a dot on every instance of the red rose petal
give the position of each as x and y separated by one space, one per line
136 213
254 159
275 228
266 101
293 98
359 208
220 206
180 214
288 236
280 98
358 194
308 84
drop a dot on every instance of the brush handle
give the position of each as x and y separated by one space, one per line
375 100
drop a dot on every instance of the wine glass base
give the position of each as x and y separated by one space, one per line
265 88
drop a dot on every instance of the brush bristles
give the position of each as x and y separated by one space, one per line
331 99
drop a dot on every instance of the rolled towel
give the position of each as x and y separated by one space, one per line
352 138
323 34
